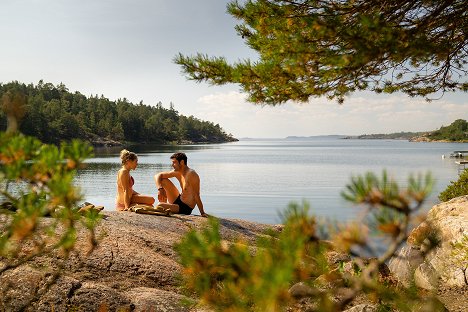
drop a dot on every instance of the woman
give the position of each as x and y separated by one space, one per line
126 196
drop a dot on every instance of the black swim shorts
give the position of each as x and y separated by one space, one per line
183 207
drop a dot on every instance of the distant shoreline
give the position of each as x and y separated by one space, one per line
421 138
103 143
456 132
417 139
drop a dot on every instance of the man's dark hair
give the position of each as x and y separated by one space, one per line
179 157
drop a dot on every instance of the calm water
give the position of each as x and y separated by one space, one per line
256 179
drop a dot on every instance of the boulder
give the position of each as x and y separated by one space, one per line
301 290
429 258
405 264
425 276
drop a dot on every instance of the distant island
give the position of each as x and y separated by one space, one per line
388 136
455 132
54 114
331 136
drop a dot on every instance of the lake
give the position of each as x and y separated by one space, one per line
255 179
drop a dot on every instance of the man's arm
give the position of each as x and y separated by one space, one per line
164 175
198 201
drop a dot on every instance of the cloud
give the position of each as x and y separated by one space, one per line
358 115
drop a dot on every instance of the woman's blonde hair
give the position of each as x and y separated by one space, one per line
126 155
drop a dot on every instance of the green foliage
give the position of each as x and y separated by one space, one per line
333 48
36 181
456 188
369 189
456 131
231 276
390 136
53 114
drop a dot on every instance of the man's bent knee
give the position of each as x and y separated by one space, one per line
157 177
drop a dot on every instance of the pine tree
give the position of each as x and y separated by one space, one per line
333 48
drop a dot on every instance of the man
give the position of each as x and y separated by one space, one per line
168 194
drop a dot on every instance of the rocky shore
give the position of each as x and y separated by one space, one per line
105 142
424 138
135 266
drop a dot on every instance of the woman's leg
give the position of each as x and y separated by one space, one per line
142 199
173 207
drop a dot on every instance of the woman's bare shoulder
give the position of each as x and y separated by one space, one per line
123 172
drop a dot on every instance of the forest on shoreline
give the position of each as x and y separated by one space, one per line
53 114
457 131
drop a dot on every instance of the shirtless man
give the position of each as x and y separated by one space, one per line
168 194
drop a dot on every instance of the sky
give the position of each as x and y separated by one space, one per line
125 48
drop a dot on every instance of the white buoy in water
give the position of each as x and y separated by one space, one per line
443 156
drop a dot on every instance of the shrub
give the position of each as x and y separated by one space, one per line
456 188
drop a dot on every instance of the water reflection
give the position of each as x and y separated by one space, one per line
94 166
153 148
